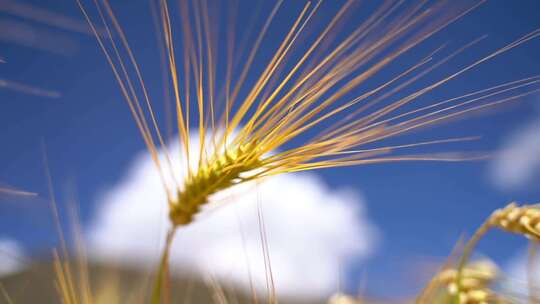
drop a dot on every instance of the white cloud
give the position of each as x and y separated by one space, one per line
518 162
11 257
313 230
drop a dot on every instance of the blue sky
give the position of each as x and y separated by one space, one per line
421 208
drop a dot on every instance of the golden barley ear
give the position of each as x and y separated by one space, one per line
524 220
470 284
214 175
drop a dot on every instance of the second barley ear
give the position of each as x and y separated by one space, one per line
473 285
524 220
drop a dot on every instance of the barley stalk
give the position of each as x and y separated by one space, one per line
532 272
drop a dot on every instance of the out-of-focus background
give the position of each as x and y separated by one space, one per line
381 229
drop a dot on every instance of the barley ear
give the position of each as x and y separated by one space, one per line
470 285
524 220
218 173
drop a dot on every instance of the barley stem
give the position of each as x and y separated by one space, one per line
162 284
532 265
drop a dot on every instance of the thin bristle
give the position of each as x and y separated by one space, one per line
14 191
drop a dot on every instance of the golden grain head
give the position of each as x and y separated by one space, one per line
472 285
524 220
218 173
481 272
